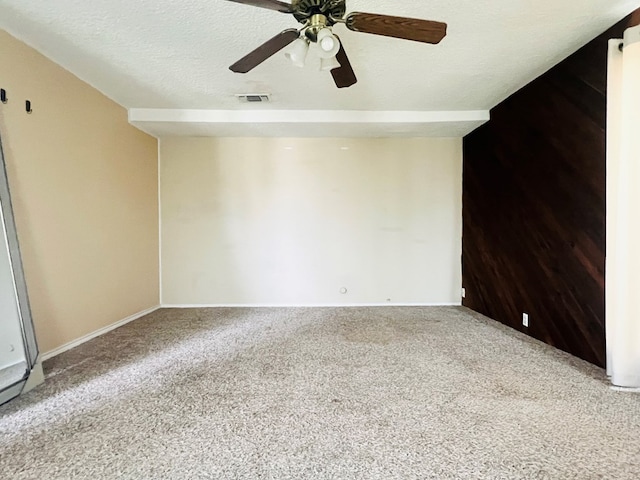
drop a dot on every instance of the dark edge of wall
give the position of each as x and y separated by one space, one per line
534 206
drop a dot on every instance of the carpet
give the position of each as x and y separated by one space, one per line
335 393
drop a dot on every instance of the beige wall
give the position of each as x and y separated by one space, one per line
293 221
84 187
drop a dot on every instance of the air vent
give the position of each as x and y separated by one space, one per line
254 97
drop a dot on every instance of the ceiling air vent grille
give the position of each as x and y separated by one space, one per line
253 97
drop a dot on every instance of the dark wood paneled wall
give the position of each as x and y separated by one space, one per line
534 206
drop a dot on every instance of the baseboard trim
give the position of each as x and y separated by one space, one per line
625 389
97 333
303 305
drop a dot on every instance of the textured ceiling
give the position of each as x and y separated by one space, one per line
168 54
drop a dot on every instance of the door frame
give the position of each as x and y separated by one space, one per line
26 320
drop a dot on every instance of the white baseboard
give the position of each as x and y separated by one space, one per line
97 333
625 389
323 305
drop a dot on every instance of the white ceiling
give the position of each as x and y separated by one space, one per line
161 54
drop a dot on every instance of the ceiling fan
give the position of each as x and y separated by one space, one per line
317 18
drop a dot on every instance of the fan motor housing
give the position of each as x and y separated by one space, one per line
303 10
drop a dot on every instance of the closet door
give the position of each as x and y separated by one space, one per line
14 367
18 348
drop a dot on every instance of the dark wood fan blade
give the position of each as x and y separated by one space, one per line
425 31
264 51
270 4
343 75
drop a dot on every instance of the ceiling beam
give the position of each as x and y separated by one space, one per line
304 116
306 123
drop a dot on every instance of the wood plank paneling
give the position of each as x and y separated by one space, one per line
534 206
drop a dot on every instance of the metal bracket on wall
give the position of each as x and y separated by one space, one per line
3 95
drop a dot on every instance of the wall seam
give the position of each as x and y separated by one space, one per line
159 224
306 305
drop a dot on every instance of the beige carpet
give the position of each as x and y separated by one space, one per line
364 393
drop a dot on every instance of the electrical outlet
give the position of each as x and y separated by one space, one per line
464 293
525 319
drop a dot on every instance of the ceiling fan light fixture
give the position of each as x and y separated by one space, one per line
328 43
298 52
317 18
328 64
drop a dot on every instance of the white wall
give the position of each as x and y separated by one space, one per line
11 343
293 221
